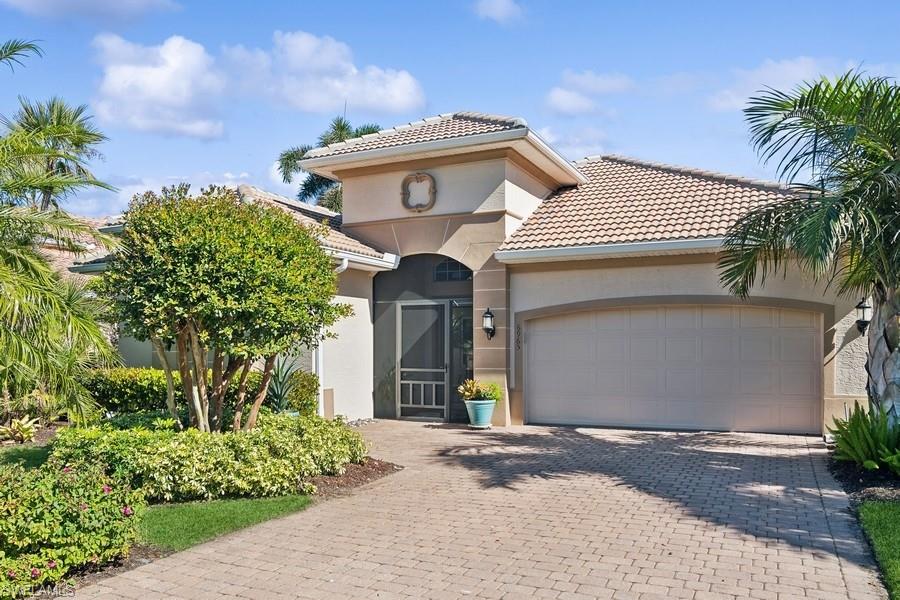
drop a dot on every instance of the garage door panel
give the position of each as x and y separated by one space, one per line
757 347
682 383
695 367
572 346
757 317
717 347
681 348
680 317
716 317
798 348
644 349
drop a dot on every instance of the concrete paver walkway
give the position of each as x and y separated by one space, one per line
543 512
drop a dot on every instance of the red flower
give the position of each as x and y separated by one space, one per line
127 511
106 489
35 572
51 564
67 469
11 574
83 506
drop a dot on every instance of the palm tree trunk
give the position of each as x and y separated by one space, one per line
883 364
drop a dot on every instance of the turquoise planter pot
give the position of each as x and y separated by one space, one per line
480 413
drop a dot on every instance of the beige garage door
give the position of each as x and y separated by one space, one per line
688 367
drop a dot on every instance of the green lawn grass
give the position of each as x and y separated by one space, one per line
179 526
31 457
881 520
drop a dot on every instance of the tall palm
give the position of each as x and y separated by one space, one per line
49 328
843 225
67 152
324 191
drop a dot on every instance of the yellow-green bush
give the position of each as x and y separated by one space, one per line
275 458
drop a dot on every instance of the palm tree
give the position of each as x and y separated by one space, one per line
843 224
66 152
49 328
324 191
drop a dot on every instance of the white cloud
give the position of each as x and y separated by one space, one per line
569 102
318 74
171 88
578 91
89 8
779 74
588 141
501 11
589 82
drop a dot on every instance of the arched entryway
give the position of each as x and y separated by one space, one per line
423 338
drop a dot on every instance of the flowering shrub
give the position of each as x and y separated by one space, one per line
55 519
273 459
131 389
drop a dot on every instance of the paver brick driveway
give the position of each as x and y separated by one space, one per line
547 513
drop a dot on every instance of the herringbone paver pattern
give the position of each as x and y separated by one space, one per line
548 513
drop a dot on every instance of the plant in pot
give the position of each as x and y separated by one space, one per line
480 399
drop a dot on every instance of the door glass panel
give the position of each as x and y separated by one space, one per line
423 363
461 356
422 337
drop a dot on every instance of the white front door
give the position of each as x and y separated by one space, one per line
731 368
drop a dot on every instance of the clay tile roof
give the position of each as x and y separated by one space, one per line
630 201
311 214
442 127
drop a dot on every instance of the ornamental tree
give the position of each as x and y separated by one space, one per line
227 284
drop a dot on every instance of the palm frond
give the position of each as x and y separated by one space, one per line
289 162
13 51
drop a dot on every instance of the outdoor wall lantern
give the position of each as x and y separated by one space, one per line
863 316
487 323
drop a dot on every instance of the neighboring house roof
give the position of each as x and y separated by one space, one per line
442 127
310 214
628 201
336 241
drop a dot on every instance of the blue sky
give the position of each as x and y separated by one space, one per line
211 91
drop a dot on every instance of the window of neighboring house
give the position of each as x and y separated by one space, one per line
452 270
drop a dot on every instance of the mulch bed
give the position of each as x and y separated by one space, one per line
327 486
861 484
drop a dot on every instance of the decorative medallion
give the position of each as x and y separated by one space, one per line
418 178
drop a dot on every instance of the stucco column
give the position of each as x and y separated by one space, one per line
490 290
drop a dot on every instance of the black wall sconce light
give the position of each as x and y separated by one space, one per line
863 316
487 323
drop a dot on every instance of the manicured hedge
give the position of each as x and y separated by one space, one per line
54 520
131 389
273 459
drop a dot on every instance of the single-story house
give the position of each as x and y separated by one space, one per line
589 291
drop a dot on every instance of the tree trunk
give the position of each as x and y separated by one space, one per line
883 364
187 380
241 395
218 366
263 390
170 381
198 354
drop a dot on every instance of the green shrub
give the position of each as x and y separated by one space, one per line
303 395
131 389
273 459
866 438
54 520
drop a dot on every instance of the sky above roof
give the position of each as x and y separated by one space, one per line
211 92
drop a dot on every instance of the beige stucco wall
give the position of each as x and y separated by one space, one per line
461 188
347 358
553 284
